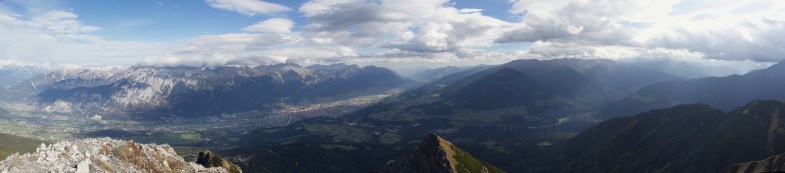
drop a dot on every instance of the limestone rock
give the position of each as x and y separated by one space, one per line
102 155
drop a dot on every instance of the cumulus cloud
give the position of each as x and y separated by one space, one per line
551 50
238 42
744 30
408 31
57 37
248 7
224 49
430 29
304 56
405 25
251 49
275 25
437 31
741 30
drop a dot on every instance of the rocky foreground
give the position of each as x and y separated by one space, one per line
102 155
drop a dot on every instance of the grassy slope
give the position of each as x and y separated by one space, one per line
463 162
10 144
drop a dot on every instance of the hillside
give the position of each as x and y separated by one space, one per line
102 155
503 88
771 164
10 144
431 75
684 138
434 154
724 93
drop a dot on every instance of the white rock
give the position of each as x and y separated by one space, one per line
83 167
154 158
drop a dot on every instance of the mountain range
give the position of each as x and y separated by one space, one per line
724 93
195 92
521 94
486 110
525 116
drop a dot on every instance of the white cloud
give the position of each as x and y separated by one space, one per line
550 50
275 25
248 7
734 31
250 49
236 42
57 37
744 30
407 31
315 7
403 25
304 56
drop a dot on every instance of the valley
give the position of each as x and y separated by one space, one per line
61 126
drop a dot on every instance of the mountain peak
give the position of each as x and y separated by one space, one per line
435 154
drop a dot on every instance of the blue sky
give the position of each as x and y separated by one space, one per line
153 20
403 32
168 20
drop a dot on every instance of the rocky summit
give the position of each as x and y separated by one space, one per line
436 155
102 155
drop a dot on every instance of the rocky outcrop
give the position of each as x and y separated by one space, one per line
102 155
209 160
428 157
436 155
772 164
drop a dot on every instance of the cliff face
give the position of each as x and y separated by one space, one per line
102 155
772 164
436 155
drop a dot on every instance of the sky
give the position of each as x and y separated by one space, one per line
391 33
